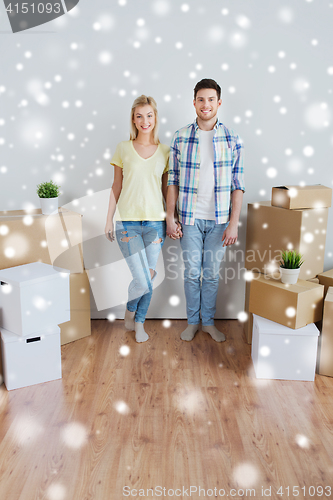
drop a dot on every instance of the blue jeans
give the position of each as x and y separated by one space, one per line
202 253
140 243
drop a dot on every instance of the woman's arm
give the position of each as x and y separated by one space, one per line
114 196
165 186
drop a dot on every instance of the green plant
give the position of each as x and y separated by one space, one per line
291 259
48 190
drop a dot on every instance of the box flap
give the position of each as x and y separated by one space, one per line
29 274
270 327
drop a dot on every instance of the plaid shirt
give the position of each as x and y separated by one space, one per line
184 169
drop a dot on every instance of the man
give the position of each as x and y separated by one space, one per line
206 177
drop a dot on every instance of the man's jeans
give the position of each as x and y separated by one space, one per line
202 253
140 243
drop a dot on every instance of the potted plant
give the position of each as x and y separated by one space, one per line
290 266
48 193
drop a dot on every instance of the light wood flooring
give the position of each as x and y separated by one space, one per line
168 414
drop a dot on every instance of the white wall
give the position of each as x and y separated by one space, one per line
66 89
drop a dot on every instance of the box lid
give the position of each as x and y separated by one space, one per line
35 212
8 337
326 274
302 286
293 197
28 274
272 328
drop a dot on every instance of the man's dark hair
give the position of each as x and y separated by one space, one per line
207 83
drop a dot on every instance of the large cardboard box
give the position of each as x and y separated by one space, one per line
295 197
325 355
29 236
79 325
293 306
272 229
248 324
279 352
1 370
33 297
326 279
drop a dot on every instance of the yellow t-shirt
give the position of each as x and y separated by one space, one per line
141 195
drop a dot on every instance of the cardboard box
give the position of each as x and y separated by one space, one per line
293 306
1 369
30 360
295 197
325 355
281 353
79 325
272 229
33 297
248 324
326 279
29 236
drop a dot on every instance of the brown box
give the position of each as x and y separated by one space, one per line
248 324
272 229
1 372
79 325
325 352
295 197
293 306
29 236
326 279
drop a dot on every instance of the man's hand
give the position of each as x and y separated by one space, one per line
230 235
174 229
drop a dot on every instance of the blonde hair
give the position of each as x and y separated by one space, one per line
143 100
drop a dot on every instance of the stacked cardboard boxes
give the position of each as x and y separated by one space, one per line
29 236
296 218
325 351
34 300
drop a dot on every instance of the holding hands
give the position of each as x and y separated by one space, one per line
174 229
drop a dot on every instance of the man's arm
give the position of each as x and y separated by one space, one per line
173 227
230 235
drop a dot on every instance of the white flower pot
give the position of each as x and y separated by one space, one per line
289 276
49 205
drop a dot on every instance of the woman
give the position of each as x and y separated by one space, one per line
140 179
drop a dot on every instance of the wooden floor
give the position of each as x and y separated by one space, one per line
168 414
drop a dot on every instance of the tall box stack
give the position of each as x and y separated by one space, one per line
34 300
56 239
295 218
325 354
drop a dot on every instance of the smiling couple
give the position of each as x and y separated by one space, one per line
202 180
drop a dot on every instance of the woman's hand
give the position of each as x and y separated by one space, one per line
109 231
